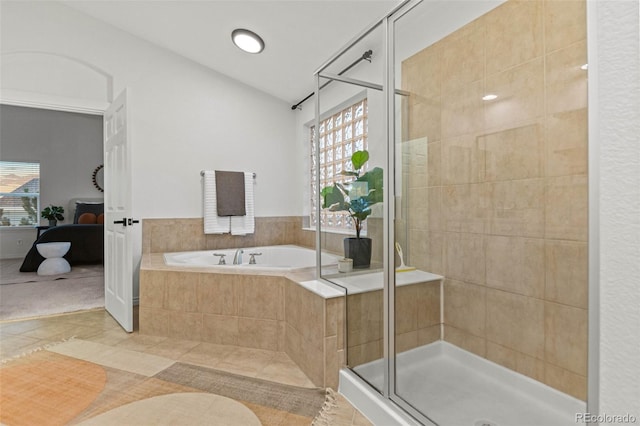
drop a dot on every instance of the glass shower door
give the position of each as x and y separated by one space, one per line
351 163
489 127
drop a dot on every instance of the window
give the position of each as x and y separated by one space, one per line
19 193
340 135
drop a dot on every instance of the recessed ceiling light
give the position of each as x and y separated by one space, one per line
247 40
489 97
585 67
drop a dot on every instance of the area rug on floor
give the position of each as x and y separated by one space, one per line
48 388
53 296
10 273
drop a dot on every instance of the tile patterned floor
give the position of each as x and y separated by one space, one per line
19 337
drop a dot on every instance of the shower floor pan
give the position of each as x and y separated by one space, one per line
454 387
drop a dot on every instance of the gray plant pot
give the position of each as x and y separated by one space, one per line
358 249
53 222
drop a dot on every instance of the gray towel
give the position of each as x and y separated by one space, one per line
230 193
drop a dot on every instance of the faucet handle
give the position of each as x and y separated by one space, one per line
221 256
252 258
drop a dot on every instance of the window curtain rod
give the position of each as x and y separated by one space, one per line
366 56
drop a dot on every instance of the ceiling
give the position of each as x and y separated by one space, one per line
299 34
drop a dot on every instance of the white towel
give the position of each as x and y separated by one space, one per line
213 224
242 225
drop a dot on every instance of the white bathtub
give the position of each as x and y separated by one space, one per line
273 258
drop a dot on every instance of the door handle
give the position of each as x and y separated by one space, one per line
125 221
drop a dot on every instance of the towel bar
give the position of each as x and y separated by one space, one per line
202 174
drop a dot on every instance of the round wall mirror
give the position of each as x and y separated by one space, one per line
98 177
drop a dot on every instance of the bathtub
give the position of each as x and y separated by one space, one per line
273 258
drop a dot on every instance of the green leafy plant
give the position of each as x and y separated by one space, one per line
53 213
357 196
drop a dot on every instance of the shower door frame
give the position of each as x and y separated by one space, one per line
389 217
389 92
388 22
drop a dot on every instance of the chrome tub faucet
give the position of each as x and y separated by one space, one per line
237 258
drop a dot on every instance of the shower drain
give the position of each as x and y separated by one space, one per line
485 423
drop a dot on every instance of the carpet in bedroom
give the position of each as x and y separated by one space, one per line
26 294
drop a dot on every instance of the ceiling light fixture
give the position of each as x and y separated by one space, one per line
489 97
247 40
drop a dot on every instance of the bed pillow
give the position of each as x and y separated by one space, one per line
82 208
87 219
100 219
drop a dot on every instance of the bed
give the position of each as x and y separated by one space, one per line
86 237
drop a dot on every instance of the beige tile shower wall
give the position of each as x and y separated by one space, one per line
497 192
187 234
417 321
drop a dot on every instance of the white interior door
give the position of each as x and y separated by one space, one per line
118 259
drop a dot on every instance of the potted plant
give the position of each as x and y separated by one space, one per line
53 213
356 198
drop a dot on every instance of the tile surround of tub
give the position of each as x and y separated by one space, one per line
242 310
499 206
187 234
259 312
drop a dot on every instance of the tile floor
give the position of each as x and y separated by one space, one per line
19 337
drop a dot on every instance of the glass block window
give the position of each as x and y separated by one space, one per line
340 135
19 193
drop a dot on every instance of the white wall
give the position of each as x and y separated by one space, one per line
68 147
184 117
614 108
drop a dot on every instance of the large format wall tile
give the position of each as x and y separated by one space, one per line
515 207
566 81
566 208
220 329
516 265
463 57
566 143
566 381
462 208
517 361
516 153
152 294
465 340
566 273
566 337
181 290
465 257
520 92
421 73
506 207
564 23
462 111
514 34
460 160
465 307
516 322
217 294
261 297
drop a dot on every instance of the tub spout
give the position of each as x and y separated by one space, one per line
237 258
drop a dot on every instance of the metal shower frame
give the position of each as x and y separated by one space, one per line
387 22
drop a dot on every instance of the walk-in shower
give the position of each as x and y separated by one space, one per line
476 112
